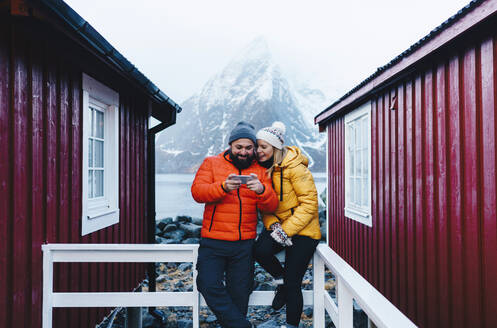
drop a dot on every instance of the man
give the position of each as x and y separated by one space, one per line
229 225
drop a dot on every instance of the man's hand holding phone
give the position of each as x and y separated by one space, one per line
234 182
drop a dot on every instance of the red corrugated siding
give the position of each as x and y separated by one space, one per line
40 174
432 249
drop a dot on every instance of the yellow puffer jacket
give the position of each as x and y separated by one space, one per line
298 198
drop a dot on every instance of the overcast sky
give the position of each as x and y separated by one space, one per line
330 44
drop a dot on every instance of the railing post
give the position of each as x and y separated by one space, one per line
345 305
196 294
318 287
47 288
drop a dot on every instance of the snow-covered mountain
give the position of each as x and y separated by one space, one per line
251 88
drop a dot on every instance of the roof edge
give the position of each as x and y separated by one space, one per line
103 47
471 14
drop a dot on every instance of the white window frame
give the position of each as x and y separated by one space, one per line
361 214
101 212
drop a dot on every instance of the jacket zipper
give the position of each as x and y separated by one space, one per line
212 218
240 202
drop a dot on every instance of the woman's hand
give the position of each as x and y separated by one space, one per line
280 236
255 185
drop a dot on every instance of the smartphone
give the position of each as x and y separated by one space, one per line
243 178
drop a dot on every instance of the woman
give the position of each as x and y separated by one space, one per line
294 226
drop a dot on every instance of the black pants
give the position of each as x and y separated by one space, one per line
225 278
297 258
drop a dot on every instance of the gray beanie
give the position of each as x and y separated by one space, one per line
242 130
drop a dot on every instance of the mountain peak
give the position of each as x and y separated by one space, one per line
256 51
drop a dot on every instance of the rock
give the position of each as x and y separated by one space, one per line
269 324
179 284
185 323
192 230
177 235
308 312
158 231
164 222
185 266
170 227
160 240
211 319
197 221
261 277
191 241
265 286
183 218
161 278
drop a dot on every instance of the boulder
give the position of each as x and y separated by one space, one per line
191 241
177 235
185 266
192 230
183 218
164 222
170 227
197 221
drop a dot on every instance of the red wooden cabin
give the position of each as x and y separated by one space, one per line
412 159
76 162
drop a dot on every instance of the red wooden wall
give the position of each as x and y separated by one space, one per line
432 250
40 173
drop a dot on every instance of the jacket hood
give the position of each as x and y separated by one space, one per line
294 157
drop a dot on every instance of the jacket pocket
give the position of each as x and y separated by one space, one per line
212 217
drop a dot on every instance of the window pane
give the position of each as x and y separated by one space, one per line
99 183
90 121
99 153
358 163
99 121
90 184
355 191
90 152
351 163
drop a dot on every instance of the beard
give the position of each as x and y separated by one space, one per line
241 163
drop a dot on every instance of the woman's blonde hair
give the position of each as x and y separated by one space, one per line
278 156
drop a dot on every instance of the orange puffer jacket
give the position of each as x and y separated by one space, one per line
230 216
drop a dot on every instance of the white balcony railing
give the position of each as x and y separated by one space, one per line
350 285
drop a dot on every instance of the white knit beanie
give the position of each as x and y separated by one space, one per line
273 134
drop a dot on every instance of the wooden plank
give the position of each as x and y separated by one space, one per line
431 249
381 195
375 183
454 202
387 199
63 177
394 199
410 190
6 200
401 173
471 197
37 200
441 173
75 161
419 214
21 176
488 168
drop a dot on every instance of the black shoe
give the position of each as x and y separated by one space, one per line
279 298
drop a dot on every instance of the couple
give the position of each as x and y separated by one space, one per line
290 214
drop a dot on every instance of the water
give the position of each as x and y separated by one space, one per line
173 196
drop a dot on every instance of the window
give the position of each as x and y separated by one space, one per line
100 156
358 164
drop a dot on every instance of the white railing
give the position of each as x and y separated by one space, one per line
350 285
